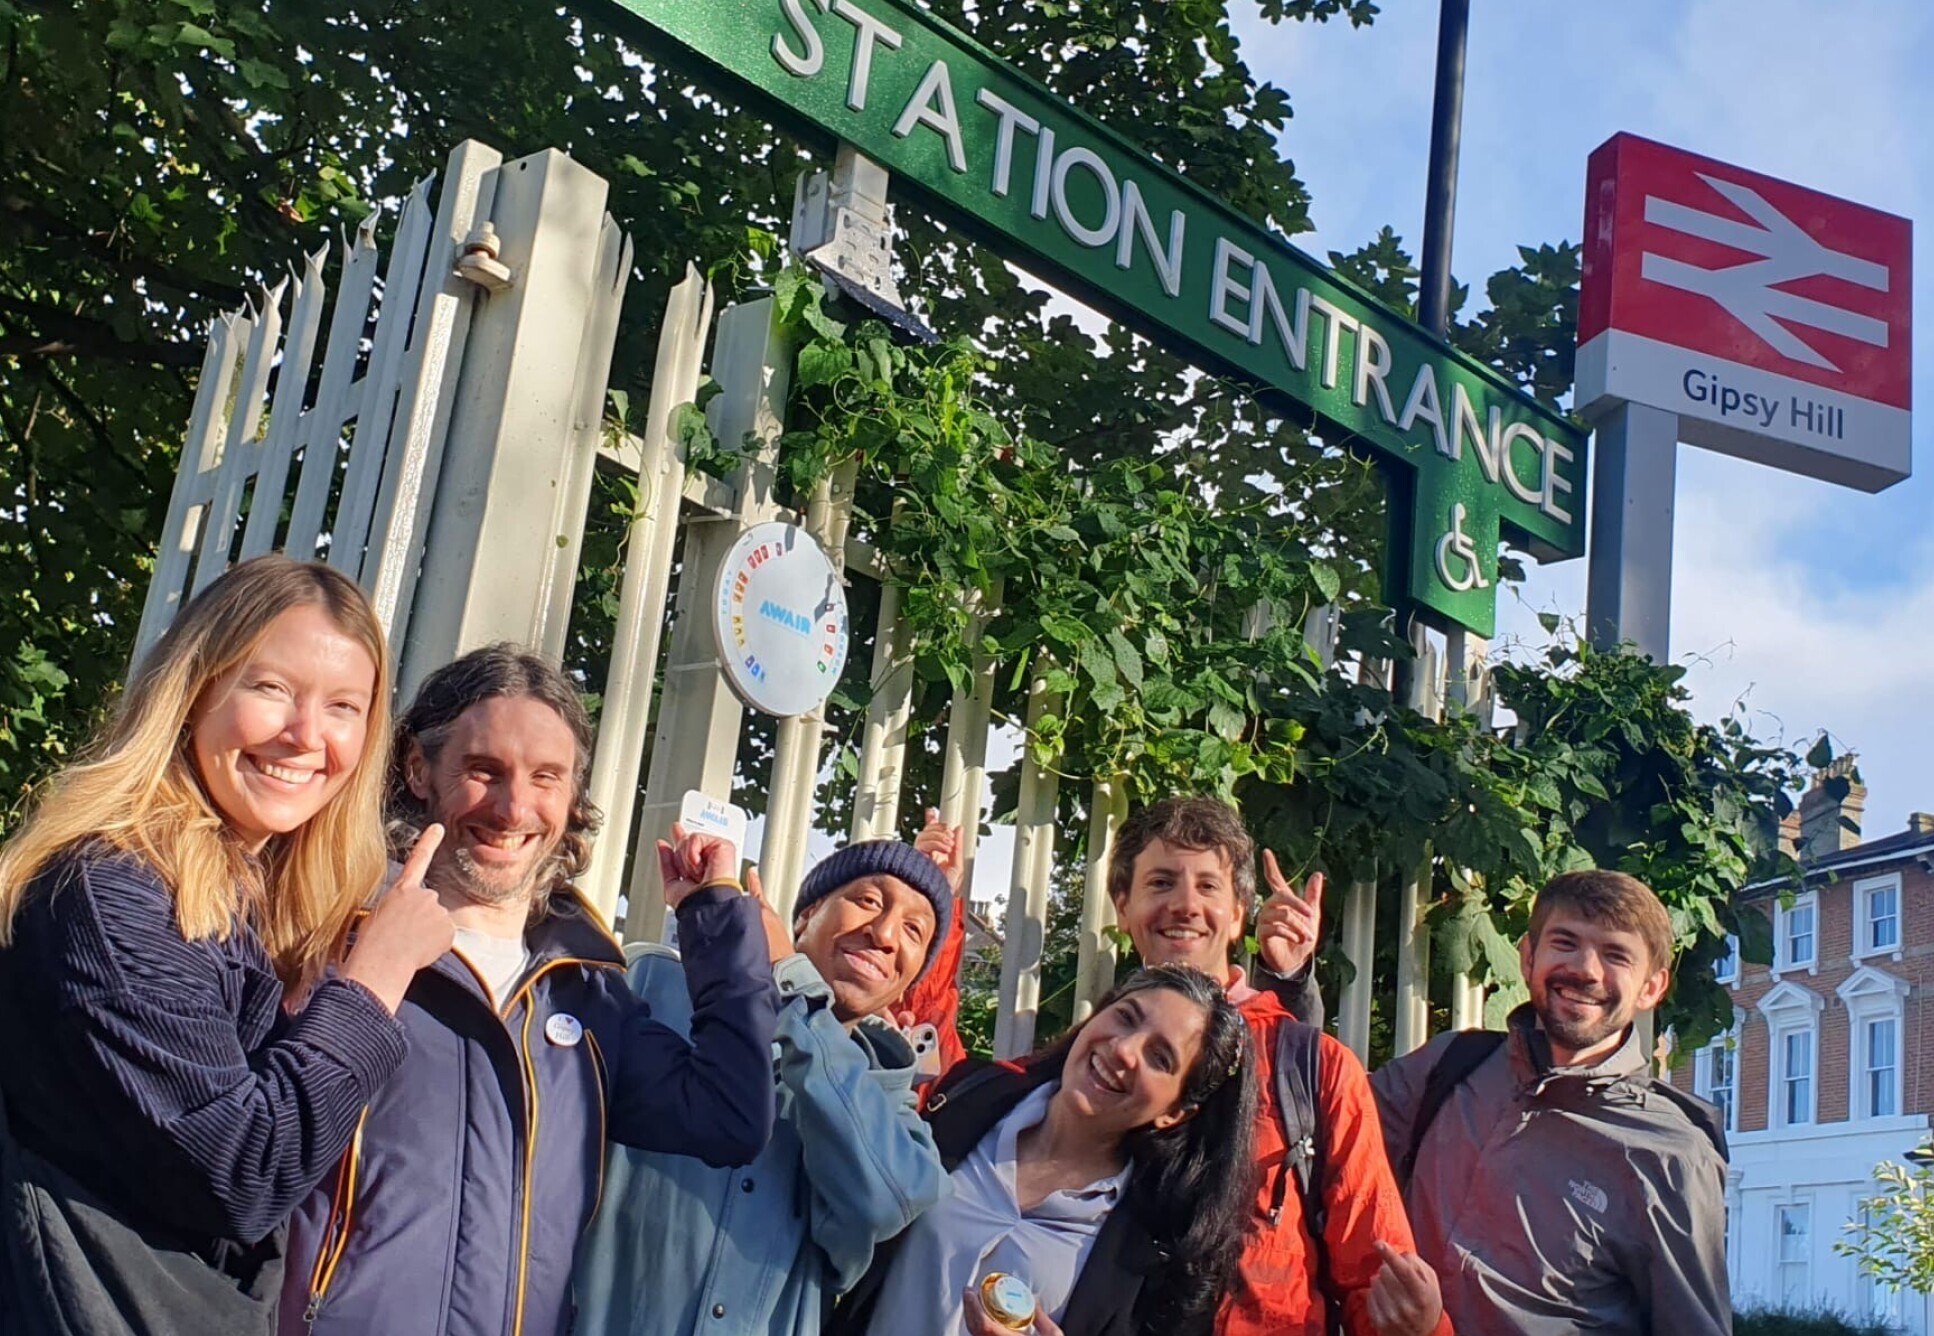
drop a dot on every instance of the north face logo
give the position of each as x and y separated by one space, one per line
1587 1193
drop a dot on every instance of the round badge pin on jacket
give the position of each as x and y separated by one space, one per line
564 1029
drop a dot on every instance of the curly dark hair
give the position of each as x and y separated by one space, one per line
1185 823
504 670
1194 1183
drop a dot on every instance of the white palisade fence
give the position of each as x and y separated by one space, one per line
341 459
441 451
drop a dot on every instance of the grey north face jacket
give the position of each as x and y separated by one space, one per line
1557 1200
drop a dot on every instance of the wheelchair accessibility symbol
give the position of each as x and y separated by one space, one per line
1457 544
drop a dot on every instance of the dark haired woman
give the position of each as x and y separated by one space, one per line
1112 1175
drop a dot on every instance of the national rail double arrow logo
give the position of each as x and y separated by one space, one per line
1749 292
1775 322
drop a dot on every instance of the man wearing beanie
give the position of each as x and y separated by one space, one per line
680 1248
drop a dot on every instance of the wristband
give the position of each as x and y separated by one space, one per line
733 882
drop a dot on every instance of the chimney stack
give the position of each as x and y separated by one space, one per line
1830 811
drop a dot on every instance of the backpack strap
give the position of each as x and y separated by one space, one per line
1298 1078
964 1078
1465 1053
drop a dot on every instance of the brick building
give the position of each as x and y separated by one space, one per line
1828 1069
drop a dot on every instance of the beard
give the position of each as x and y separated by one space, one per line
1578 1032
494 886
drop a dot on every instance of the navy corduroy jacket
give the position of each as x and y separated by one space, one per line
460 1205
163 1074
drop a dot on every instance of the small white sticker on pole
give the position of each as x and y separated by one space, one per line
702 814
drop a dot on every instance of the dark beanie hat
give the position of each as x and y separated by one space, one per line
888 858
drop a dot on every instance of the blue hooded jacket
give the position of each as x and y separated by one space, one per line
459 1205
680 1249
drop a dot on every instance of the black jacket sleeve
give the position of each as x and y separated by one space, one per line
1297 992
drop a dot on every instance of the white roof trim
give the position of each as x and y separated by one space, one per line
1788 996
1870 982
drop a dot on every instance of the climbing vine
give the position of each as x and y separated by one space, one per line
1162 605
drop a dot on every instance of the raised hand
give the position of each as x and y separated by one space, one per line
1404 1299
408 929
943 844
1287 928
778 940
691 861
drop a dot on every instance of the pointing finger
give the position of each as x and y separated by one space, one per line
1313 889
421 853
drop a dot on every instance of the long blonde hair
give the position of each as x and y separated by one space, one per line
138 791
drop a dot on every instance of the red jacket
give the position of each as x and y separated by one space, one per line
935 1000
1275 1292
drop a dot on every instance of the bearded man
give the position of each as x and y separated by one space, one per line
1553 1185
458 1208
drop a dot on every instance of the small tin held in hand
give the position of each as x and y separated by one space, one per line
1008 1300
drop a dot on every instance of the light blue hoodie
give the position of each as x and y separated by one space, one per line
763 1250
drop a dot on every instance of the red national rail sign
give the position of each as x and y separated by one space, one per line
1773 319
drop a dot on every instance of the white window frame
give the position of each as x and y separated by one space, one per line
1804 1265
1790 1010
1870 995
1868 1071
1705 1063
1863 920
1783 959
1726 968
1735 1227
1799 1091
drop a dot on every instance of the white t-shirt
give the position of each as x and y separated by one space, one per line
501 960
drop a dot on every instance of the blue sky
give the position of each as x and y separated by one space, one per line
1811 604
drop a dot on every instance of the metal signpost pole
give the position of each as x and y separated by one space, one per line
1419 678
1446 130
848 230
1628 581
1629 577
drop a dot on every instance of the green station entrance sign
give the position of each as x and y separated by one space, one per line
1471 458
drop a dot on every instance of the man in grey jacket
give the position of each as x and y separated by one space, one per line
680 1248
1554 1185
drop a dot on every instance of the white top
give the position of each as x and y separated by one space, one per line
981 1228
500 960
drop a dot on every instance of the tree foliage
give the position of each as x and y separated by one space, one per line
1893 1239
1156 534
1164 615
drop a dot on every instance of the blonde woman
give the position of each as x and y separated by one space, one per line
161 1110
